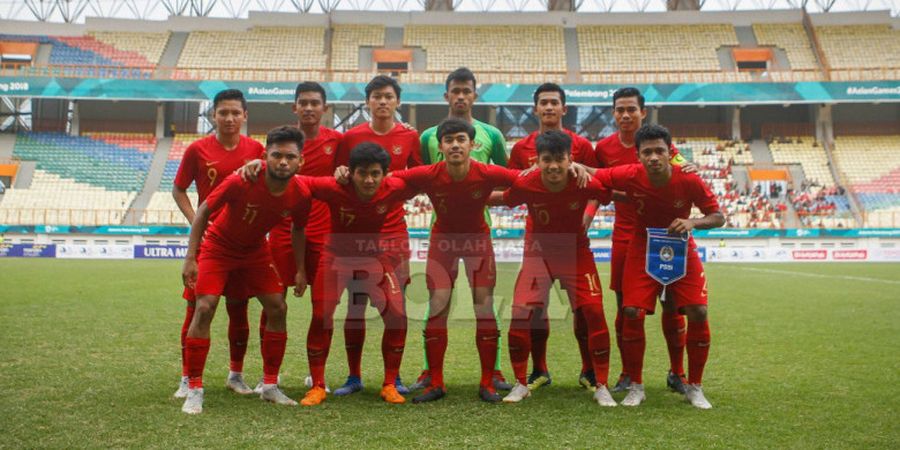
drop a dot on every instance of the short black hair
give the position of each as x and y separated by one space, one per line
310 86
452 125
651 132
381 81
550 87
229 94
368 153
284 134
555 142
627 92
462 74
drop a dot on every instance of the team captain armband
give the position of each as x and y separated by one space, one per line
678 159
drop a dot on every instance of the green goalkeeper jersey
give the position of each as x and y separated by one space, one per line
490 147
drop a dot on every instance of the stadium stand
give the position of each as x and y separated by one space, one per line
346 41
513 49
266 54
53 200
871 167
818 200
150 46
790 37
84 180
861 51
744 208
659 57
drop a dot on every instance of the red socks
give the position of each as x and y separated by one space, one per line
436 347
597 340
520 342
262 326
581 327
355 334
540 332
188 317
634 342
697 350
318 341
673 326
195 350
619 325
486 335
273 345
393 341
238 333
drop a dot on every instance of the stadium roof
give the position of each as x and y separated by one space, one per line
77 10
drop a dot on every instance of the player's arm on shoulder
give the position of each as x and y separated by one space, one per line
250 170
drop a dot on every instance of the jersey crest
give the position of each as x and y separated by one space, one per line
398 150
327 150
381 209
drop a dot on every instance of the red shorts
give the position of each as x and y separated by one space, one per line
617 264
370 276
579 279
255 273
233 290
641 291
475 251
283 255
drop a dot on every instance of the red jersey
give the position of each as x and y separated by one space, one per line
524 152
658 206
555 219
207 163
401 143
360 228
249 211
459 205
610 152
318 161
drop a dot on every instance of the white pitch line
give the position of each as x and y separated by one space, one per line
819 275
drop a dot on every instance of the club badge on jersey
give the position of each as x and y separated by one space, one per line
666 256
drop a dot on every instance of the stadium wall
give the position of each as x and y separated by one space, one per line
740 246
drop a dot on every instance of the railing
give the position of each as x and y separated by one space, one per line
881 219
432 76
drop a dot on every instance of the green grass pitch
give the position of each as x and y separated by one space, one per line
802 356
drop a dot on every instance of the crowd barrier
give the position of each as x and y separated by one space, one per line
497 233
504 250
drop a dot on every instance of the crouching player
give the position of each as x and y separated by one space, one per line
556 248
355 259
234 250
663 196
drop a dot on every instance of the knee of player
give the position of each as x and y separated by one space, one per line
631 312
695 313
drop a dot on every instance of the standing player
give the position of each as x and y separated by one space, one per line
550 108
459 189
234 250
556 247
358 257
663 196
206 163
402 145
616 150
319 150
487 147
